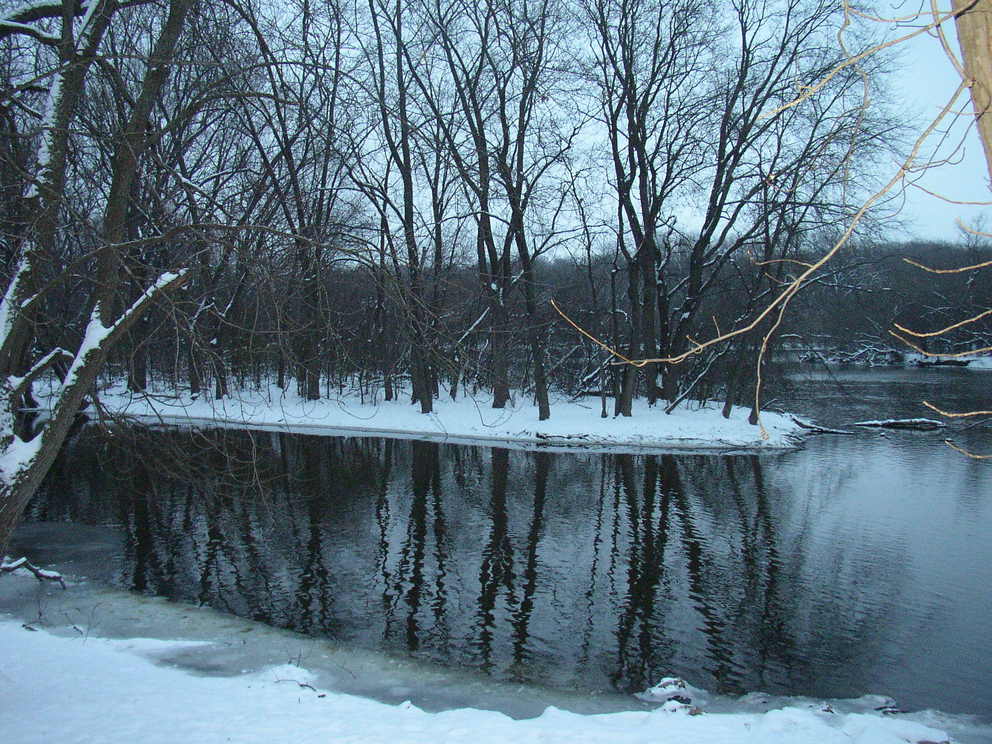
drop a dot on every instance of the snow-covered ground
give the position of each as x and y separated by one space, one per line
572 423
71 685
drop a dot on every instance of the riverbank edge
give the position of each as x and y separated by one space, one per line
256 694
574 424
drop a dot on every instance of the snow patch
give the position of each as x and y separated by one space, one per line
17 456
572 424
674 690
63 685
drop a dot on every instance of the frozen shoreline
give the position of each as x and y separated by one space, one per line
573 424
186 673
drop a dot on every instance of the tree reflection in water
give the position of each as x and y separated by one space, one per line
585 570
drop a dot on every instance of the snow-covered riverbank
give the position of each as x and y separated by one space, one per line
97 690
64 682
572 423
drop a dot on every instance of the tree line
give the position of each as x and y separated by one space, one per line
328 193
420 142
859 307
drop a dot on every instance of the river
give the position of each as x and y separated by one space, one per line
858 564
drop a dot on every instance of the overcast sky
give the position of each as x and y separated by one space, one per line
925 82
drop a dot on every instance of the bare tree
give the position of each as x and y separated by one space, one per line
386 153
27 457
505 129
687 94
973 21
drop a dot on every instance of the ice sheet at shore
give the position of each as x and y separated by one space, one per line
93 689
572 423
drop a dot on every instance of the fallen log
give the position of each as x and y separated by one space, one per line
561 437
812 428
915 424
943 363
9 566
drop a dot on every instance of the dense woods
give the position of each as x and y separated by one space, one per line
391 193
385 195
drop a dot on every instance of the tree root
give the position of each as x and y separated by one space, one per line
8 566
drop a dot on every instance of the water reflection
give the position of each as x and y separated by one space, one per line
584 571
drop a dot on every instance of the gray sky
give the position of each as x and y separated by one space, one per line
923 86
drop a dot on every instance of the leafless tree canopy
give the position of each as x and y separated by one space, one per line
384 196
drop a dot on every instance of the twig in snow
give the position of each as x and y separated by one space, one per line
301 684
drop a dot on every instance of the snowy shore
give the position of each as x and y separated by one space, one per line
467 420
63 681
70 689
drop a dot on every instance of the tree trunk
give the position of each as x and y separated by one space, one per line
649 311
308 365
670 381
733 379
534 332
540 375
25 474
499 353
137 368
193 370
629 383
974 27
500 365
26 470
220 376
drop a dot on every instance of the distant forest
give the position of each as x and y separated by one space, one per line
386 196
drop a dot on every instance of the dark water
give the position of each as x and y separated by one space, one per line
860 564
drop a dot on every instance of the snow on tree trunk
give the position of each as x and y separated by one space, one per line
24 463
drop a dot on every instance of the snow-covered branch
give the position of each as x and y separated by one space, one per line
10 28
472 327
99 337
8 566
19 384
